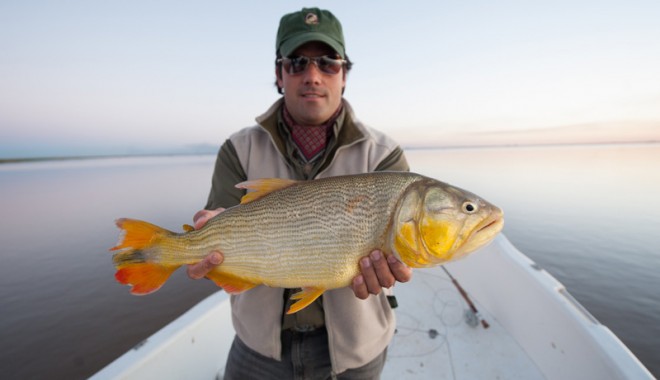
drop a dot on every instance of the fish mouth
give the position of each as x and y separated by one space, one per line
493 223
491 226
482 234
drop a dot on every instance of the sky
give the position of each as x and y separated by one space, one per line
114 77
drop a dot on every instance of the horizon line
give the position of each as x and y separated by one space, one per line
404 147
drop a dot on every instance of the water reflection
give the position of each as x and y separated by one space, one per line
586 214
56 283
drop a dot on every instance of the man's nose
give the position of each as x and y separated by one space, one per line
312 73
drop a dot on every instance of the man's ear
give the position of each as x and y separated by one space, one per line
278 75
343 88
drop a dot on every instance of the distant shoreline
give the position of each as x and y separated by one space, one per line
531 145
410 147
97 157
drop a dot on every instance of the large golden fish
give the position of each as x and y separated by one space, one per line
311 234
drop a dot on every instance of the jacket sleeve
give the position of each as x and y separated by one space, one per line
226 174
395 161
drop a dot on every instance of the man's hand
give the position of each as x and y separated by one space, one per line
377 272
214 258
203 216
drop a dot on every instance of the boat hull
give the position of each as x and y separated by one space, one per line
536 330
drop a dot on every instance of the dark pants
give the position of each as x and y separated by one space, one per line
304 356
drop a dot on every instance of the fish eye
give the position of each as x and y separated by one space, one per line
469 207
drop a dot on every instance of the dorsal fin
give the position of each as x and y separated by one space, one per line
263 187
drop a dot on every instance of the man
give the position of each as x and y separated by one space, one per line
311 132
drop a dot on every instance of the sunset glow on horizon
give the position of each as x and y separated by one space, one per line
84 78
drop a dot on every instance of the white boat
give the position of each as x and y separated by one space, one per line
517 322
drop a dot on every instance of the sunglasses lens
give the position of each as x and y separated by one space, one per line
298 65
329 65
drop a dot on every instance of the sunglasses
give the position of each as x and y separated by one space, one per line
298 65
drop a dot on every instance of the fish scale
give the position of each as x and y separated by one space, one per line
311 234
311 245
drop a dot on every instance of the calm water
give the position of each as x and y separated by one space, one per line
590 215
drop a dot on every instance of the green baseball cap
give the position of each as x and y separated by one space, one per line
309 24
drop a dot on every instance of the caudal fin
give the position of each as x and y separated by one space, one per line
136 259
144 278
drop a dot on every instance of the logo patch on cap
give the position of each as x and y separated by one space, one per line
311 19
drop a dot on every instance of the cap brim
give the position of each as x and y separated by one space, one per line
289 46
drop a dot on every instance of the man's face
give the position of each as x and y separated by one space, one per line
312 96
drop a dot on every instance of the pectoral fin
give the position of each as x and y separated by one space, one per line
305 297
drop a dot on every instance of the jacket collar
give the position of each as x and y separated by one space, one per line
350 131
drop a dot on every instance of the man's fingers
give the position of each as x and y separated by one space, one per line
400 271
360 288
202 268
369 275
379 271
203 216
383 273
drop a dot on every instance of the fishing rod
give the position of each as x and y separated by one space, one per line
465 296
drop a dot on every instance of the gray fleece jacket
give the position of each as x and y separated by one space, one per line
358 330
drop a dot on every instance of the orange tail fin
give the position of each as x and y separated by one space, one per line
135 259
138 234
144 278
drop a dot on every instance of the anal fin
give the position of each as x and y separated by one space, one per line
230 283
304 298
